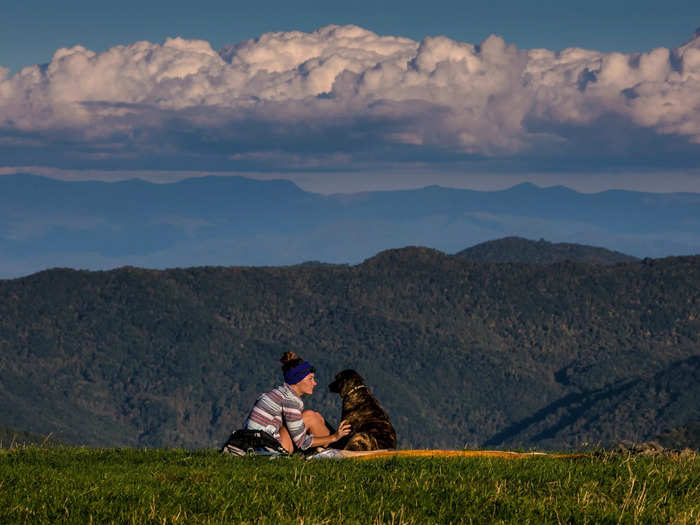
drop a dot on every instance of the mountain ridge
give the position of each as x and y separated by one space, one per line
518 249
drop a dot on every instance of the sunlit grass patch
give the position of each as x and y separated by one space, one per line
81 485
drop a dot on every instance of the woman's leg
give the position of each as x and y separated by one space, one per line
315 424
286 440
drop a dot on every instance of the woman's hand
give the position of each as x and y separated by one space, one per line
322 441
343 430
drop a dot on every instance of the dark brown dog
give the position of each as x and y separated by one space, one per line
371 428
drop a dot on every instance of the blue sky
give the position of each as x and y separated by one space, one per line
31 31
388 105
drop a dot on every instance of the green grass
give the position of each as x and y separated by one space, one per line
81 485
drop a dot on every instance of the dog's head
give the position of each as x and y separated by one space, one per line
346 381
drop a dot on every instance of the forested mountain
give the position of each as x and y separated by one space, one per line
459 352
519 250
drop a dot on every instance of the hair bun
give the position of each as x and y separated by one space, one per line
287 357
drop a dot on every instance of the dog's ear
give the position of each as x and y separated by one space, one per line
350 376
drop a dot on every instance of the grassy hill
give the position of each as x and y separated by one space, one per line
182 486
519 250
457 351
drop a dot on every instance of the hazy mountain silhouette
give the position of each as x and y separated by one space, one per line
47 223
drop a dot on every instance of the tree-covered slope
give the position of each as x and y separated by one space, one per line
685 436
11 437
636 408
457 351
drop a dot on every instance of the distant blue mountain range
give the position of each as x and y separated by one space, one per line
47 223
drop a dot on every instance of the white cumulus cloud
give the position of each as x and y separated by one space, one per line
346 92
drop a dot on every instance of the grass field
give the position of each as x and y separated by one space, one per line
81 485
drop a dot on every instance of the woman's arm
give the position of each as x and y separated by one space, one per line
321 441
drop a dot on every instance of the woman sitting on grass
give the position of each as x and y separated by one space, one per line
281 413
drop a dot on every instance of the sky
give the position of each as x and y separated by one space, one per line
358 96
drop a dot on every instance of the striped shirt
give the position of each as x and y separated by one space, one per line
278 407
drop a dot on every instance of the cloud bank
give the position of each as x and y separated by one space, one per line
344 96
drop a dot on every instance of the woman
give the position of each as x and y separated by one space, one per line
281 413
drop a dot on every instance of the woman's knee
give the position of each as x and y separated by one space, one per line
312 416
315 423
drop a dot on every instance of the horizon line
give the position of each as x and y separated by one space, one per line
499 181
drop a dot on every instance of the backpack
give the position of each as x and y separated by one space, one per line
246 442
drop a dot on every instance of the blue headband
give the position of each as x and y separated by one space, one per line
299 372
